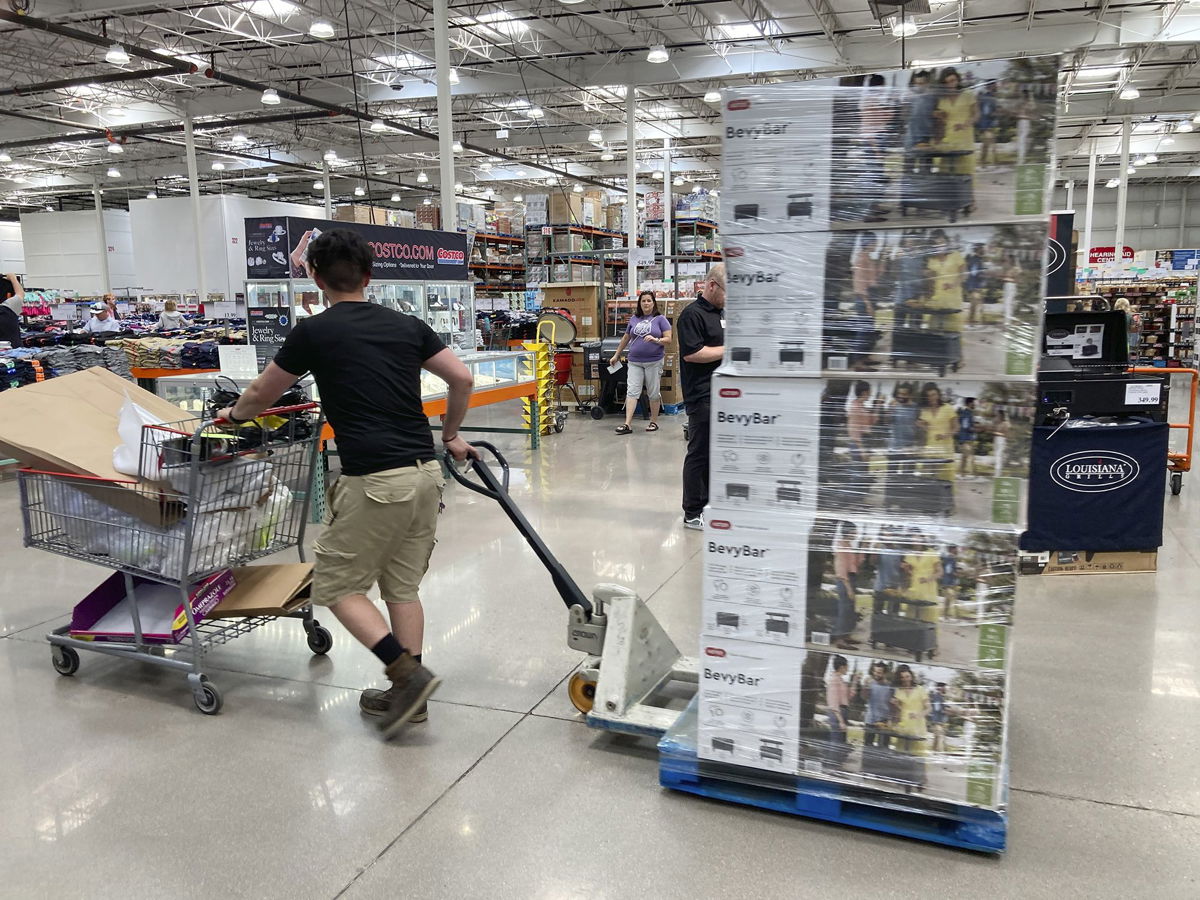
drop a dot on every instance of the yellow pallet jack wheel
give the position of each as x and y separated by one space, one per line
582 692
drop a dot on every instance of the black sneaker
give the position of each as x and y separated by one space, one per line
412 685
696 523
374 702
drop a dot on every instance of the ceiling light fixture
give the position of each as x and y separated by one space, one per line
457 147
1167 141
318 185
658 174
1140 161
396 198
1151 158
1112 183
116 55
358 191
578 188
678 182
1185 127
607 156
330 155
218 167
712 96
518 198
240 139
427 202
658 54
595 136
904 27
114 173
322 29
1129 92
152 196
377 125
1131 171
270 97
272 178
486 166
454 76
458 187
535 112
114 147
4 157
422 178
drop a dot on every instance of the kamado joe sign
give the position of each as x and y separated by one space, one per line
276 247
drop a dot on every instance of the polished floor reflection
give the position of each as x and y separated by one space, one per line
114 786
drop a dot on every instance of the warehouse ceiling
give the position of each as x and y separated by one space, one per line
539 92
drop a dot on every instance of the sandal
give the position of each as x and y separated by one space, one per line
624 429
653 426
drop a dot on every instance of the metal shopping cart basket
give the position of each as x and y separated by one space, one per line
213 497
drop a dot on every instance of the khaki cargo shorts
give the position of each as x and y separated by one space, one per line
381 528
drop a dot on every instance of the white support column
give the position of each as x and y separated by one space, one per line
189 140
102 237
1123 190
1086 250
1183 211
668 208
445 117
325 177
631 213
1070 196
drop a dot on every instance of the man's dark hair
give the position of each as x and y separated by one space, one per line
342 259
839 662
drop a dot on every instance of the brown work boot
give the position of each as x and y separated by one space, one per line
412 685
374 702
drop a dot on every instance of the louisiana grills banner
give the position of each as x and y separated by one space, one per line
277 247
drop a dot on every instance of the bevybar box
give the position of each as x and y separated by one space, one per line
749 704
764 443
755 576
963 301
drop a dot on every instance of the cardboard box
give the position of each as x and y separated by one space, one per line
69 425
581 300
429 217
266 591
364 215
614 217
1068 562
749 707
566 208
105 614
593 212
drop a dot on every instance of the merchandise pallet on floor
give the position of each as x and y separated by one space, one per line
963 827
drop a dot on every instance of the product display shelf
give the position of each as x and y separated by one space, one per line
963 827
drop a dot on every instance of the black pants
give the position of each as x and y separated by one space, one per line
695 464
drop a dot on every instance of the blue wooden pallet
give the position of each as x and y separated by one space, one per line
963 827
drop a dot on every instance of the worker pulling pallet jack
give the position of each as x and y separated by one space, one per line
630 658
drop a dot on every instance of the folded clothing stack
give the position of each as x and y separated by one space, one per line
200 355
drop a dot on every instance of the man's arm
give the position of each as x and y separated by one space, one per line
448 367
706 355
693 340
18 290
262 393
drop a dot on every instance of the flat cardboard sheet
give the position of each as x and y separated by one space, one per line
266 591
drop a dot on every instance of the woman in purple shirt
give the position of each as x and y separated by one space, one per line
646 336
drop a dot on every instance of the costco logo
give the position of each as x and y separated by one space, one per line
730 392
719 524
734 252
737 104
714 651
451 257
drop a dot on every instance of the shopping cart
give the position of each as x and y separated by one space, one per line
214 498
1178 462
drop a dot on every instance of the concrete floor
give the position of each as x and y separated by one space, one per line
114 786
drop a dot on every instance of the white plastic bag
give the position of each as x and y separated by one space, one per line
127 457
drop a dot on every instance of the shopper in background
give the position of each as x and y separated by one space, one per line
903 413
1133 326
949 581
987 124
102 321
647 334
865 272
12 299
938 716
922 102
110 301
911 709
976 265
701 347
879 693
911 280
966 438
948 275
170 319
937 424
1025 112
837 700
367 361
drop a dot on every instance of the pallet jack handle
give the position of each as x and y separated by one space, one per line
497 489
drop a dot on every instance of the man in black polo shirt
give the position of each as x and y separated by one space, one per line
367 361
701 329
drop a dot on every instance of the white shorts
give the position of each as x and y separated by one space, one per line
647 375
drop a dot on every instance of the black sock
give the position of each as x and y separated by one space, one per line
388 649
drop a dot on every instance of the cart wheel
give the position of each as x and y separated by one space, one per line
597 412
560 422
208 698
1176 483
320 641
65 660
582 692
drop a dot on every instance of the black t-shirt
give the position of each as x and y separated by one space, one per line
699 325
366 360
10 326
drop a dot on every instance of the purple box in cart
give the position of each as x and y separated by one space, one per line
104 614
